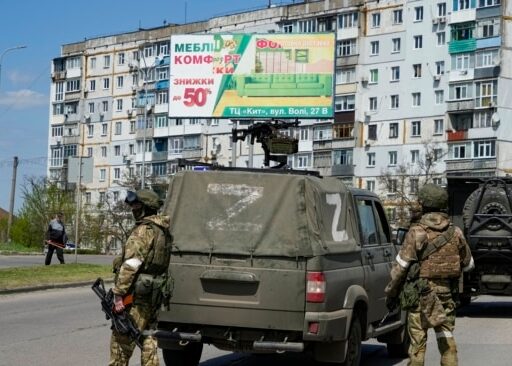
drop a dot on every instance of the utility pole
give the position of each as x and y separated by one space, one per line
13 193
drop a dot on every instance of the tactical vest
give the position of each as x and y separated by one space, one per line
157 260
445 261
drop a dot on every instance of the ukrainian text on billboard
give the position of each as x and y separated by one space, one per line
252 76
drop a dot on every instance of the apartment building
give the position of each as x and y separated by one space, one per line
422 88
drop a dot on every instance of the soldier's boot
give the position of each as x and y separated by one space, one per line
448 349
149 354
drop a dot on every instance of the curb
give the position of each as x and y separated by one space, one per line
48 287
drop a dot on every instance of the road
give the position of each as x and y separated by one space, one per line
7 261
66 327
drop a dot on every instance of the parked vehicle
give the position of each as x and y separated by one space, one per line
276 261
482 207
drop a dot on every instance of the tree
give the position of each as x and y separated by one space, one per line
401 183
41 201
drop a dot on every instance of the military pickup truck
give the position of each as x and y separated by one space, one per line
276 261
482 208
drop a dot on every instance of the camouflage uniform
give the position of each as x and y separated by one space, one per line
441 270
135 259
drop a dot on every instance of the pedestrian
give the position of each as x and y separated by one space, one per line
425 277
56 239
140 274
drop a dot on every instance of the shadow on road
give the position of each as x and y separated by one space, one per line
488 309
372 355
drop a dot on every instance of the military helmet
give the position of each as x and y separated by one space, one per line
145 196
433 196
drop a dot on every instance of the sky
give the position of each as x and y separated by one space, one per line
43 27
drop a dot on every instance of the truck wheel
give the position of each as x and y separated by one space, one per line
355 337
188 356
494 201
400 350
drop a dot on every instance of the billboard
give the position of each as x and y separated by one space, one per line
256 76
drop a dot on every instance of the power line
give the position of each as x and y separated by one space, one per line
40 160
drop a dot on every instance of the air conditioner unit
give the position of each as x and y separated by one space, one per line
87 118
58 139
134 87
442 19
364 79
435 20
129 112
437 77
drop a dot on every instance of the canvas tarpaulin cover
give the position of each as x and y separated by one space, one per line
260 214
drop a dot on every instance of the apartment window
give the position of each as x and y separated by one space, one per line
485 3
117 174
372 132
482 119
104 106
415 156
418 42
370 159
439 95
374 76
73 85
416 99
418 13
106 61
117 150
392 158
439 67
348 20
460 91
344 103
370 185
372 104
88 198
103 174
375 20
90 130
393 130
374 48
416 70
119 105
104 129
398 16
346 47
441 38
148 146
92 63
459 152
464 4
441 9
395 73
92 85
342 157
161 121
118 128
164 48
396 45
131 172
438 126
106 83
437 181
345 75
148 51
487 58
303 161
120 58
57 131
162 97
416 128
462 61
307 26
322 133
394 101
288 28
438 154
91 107
58 109
132 126
120 81
486 93
163 73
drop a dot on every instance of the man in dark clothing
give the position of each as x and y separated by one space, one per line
56 238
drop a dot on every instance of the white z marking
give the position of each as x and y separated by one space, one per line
335 199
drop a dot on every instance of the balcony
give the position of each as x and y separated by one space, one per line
59 75
456 135
464 165
71 140
460 105
141 132
322 144
159 155
342 170
465 45
191 153
347 60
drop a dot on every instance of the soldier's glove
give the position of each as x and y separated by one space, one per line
392 303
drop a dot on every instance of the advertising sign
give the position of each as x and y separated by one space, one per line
257 76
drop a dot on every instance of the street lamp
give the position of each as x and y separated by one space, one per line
4 52
146 71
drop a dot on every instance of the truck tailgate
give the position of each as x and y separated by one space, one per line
242 292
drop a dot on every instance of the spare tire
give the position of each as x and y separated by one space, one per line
494 201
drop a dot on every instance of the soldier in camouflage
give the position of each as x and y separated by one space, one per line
449 255
141 273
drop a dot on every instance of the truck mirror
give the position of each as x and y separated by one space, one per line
400 235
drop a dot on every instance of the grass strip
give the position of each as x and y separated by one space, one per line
18 277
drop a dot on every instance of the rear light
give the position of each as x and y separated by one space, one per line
313 327
315 287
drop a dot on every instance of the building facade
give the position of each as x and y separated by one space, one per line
422 91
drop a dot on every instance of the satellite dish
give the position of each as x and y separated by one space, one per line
495 118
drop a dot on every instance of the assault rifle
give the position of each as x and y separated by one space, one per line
120 321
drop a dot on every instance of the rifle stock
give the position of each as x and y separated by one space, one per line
120 321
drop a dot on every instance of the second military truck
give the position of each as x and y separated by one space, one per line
276 261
